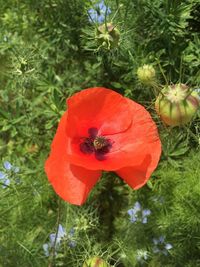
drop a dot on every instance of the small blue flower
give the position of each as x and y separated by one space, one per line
133 217
5 175
16 169
61 234
161 239
145 214
55 241
137 214
6 183
71 232
137 206
144 220
99 12
160 246
2 175
61 231
156 250
134 212
71 244
4 179
7 165
168 246
46 249
155 241
142 255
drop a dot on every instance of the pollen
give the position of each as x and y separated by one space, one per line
99 142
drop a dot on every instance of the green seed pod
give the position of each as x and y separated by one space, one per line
177 104
146 74
108 36
95 262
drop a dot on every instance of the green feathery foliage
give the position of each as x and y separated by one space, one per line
49 50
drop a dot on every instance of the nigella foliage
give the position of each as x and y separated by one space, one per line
45 57
174 219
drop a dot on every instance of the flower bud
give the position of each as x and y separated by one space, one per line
177 104
108 36
146 74
95 262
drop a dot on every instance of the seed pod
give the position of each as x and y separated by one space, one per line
95 262
108 36
146 74
177 104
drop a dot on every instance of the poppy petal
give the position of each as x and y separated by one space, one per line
137 175
99 108
142 131
129 148
72 183
59 143
108 162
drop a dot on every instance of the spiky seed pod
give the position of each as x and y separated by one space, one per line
177 104
95 262
146 74
108 36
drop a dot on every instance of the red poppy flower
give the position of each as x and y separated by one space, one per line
101 130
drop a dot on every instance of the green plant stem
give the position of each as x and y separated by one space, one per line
53 252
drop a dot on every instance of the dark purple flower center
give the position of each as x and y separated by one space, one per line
97 144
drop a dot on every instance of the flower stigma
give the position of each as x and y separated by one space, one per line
100 142
97 144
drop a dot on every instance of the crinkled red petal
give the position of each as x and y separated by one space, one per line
129 148
137 175
99 108
72 183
